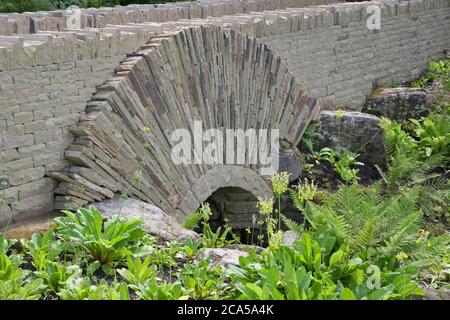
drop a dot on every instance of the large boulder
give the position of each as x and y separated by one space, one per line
355 131
156 221
398 104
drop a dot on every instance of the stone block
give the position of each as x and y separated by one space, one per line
27 175
358 132
398 104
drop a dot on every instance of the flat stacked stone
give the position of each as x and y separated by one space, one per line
203 74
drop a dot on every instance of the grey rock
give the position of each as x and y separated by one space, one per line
292 163
358 132
156 221
289 237
432 294
399 104
223 257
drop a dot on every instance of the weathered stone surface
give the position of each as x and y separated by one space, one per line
5 214
27 229
291 162
399 104
432 294
28 208
289 237
358 132
156 222
223 257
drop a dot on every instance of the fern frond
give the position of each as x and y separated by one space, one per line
405 230
367 236
293 226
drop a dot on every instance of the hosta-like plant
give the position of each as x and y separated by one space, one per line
82 289
312 269
138 271
104 241
43 248
13 281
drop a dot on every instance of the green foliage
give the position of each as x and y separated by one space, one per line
368 223
436 70
154 290
310 138
19 290
82 289
201 282
56 275
433 135
105 242
138 271
13 284
43 248
411 161
220 238
394 84
26 5
309 270
343 162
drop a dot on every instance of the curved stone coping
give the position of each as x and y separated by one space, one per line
48 47
220 177
28 22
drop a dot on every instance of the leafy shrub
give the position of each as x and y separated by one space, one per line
344 163
13 283
138 271
105 242
437 70
82 289
411 165
433 134
312 269
210 239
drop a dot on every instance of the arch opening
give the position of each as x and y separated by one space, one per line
236 208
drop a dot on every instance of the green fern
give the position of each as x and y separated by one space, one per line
362 218
299 229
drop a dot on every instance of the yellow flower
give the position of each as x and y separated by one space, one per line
401 256
280 182
265 206
340 113
419 240
146 129
429 244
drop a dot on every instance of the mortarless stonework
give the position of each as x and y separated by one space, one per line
48 78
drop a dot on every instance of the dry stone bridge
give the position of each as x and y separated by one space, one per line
86 114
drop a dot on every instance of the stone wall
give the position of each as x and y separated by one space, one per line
38 106
47 78
343 63
99 18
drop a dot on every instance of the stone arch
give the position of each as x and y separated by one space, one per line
218 76
223 176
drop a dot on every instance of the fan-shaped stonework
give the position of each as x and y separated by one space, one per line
219 77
